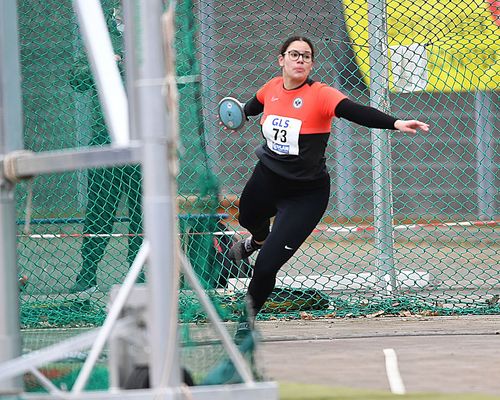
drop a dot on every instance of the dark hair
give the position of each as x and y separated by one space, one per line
291 39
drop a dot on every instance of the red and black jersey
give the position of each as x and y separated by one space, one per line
313 103
296 125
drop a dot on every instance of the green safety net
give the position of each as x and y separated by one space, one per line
85 227
78 232
440 64
412 224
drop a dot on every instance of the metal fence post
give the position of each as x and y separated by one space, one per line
381 144
344 130
208 79
484 108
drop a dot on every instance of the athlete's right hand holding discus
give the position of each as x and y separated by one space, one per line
290 181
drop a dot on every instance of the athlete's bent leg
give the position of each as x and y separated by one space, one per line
296 219
258 203
257 206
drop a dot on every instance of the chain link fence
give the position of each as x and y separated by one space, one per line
439 64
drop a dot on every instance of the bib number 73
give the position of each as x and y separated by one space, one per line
282 134
279 134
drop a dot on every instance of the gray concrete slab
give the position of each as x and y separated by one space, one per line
435 354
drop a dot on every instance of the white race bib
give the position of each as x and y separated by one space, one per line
282 134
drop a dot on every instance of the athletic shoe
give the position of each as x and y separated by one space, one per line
225 372
246 322
242 249
243 330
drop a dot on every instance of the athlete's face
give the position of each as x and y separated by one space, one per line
296 63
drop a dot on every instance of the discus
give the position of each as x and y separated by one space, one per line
231 113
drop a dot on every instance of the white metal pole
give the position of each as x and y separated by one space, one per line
154 122
106 74
10 140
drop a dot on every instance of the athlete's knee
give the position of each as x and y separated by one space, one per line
262 273
246 220
259 231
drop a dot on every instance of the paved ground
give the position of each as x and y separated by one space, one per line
435 354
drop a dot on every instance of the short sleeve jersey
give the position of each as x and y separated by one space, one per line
296 125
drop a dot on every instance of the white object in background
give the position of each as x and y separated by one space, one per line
409 68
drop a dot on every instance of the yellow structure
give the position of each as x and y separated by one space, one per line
434 45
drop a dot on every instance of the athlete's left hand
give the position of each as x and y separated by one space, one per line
410 126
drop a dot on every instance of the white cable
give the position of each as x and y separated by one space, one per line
391 366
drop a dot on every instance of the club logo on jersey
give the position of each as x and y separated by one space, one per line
297 103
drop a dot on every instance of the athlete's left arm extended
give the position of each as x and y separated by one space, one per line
364 115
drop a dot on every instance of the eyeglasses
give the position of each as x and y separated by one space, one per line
294 56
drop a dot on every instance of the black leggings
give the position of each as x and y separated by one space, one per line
297 208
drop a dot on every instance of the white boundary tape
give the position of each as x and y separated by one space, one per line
365 280
73 235
336 230
394 377
402 227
